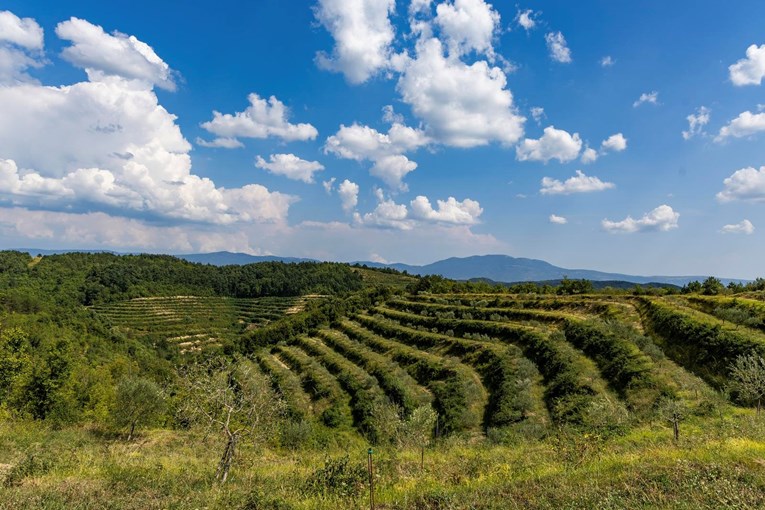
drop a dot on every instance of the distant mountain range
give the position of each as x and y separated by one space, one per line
497 268
504 268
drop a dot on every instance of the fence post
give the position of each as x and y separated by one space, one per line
371 469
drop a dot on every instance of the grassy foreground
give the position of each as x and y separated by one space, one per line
719 462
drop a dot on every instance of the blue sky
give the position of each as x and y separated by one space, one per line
603 135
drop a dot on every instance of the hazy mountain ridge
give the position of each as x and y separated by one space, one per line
498 268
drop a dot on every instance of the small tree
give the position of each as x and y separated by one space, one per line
748 374
674 411
138 402
235 399
417 430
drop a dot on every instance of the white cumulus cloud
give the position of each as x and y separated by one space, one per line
746 124
108 145
554 144
361 142
467 25
450 210
745 184
461 105
349 195
385 150
21 48
696 122
262 119
23 32
749 70
116 54
387 214
589 155
745 227
662 219
363 35
559 50
607 61
614 143
290 166
580 183
392 170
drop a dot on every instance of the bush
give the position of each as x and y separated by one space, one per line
338 477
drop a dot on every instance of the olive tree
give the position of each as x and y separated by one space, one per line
674 411
138 402
748 378
234 399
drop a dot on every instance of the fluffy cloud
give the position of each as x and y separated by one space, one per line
21 47
662 219
745 227
290 166
102 54
392 169
647 97
558 220
554 144
749 70
262 119
746 124
450 211
25 33
580 183
607 61
467 25
696 122
349 195
556 45
589 155
526 19
387 214
365 143
363 34
108 145
614 143
462 105
745 184
385 150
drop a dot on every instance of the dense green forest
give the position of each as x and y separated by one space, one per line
149 382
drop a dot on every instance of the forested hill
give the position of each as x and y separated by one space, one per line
92 278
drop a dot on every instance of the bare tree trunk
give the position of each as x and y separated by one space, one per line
676 427
132 429
758 406
226 459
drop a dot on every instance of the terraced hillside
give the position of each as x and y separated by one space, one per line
191 322
488 361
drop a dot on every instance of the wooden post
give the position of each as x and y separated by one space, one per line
422 459
676 426
371 469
